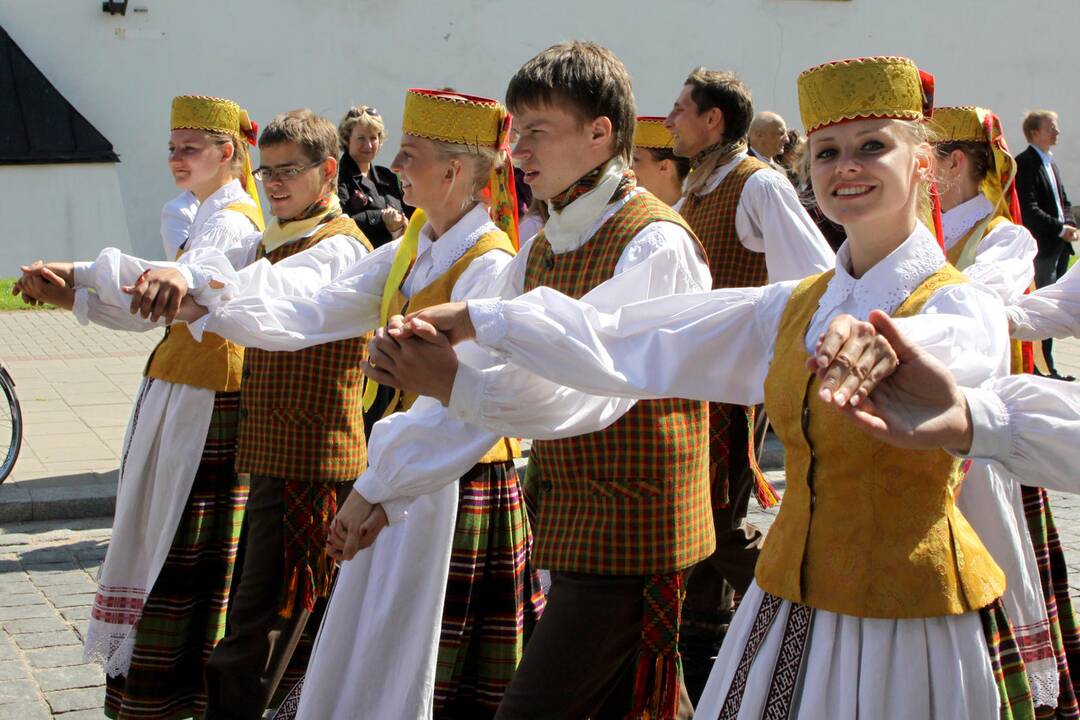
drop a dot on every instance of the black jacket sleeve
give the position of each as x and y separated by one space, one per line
1042 224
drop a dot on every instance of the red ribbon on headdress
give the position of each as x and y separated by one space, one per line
996 136
252 133
927 81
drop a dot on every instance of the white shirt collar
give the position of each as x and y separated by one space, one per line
569 229
224 196
886 285
721 172
958 221
456 241
1047 157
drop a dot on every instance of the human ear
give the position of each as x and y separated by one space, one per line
600 131
329 168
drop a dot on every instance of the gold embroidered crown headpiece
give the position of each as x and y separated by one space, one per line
453 117
649 132
861 88
969 123
469 120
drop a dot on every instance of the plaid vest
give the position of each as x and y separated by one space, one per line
712 218
865 529
632 499
301 412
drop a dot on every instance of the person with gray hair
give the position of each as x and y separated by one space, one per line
768 137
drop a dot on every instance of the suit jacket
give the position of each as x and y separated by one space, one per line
364 198
1037 203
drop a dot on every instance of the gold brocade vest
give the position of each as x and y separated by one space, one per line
865 529
438 292
962 254
213 363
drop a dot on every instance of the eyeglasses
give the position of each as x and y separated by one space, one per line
262 174
358 111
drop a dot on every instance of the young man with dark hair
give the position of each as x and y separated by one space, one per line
755 230
624 498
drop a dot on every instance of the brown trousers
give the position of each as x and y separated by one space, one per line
245 668
581 658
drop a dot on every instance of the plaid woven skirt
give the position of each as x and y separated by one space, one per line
1064 632
1009 672
493 594
184 615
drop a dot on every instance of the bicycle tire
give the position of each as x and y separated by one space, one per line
14 439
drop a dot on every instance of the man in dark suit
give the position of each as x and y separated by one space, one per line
1045 207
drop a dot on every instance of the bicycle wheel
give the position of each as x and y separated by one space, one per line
11 428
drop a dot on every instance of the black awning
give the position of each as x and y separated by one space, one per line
37 124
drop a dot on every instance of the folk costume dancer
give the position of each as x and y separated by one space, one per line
447 596
976 176
755 230
657 168
163 588
616 528
860 606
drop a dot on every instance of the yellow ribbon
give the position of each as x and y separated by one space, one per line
277 234
403 260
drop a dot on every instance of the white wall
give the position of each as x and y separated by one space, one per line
273 55
59 211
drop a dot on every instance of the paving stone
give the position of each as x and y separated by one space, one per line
77 585
35 625
21 594
66 700
45 555
21 612
52 657
12 670
72 600
74 614
32 641
67 678
94 714
42 578
20 691
8 651
24 710
10 539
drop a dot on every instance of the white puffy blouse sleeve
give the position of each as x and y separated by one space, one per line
1049 312
423 449
1029 425
329 292
1005 262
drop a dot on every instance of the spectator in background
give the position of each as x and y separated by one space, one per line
1045 208
370 193
788 159
768 137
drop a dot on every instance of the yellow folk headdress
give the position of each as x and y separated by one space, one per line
649 132
861 88
214 114
865 88
975 124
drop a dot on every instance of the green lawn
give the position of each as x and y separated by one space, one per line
12 302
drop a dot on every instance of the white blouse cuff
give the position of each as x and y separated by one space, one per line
377 492
396 509
467 394
81 308
1017 316
488 320
991 434
82 275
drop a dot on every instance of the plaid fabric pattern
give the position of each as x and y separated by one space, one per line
184 615
309 571
712 218
631 499
301 412
1064 632
1008 667
658 676
493 595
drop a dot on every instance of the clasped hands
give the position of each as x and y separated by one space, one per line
888 386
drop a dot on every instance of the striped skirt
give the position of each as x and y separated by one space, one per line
1064 632
493 594
184 615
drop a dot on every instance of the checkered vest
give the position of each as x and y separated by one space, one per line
301 412
712 218
632 499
